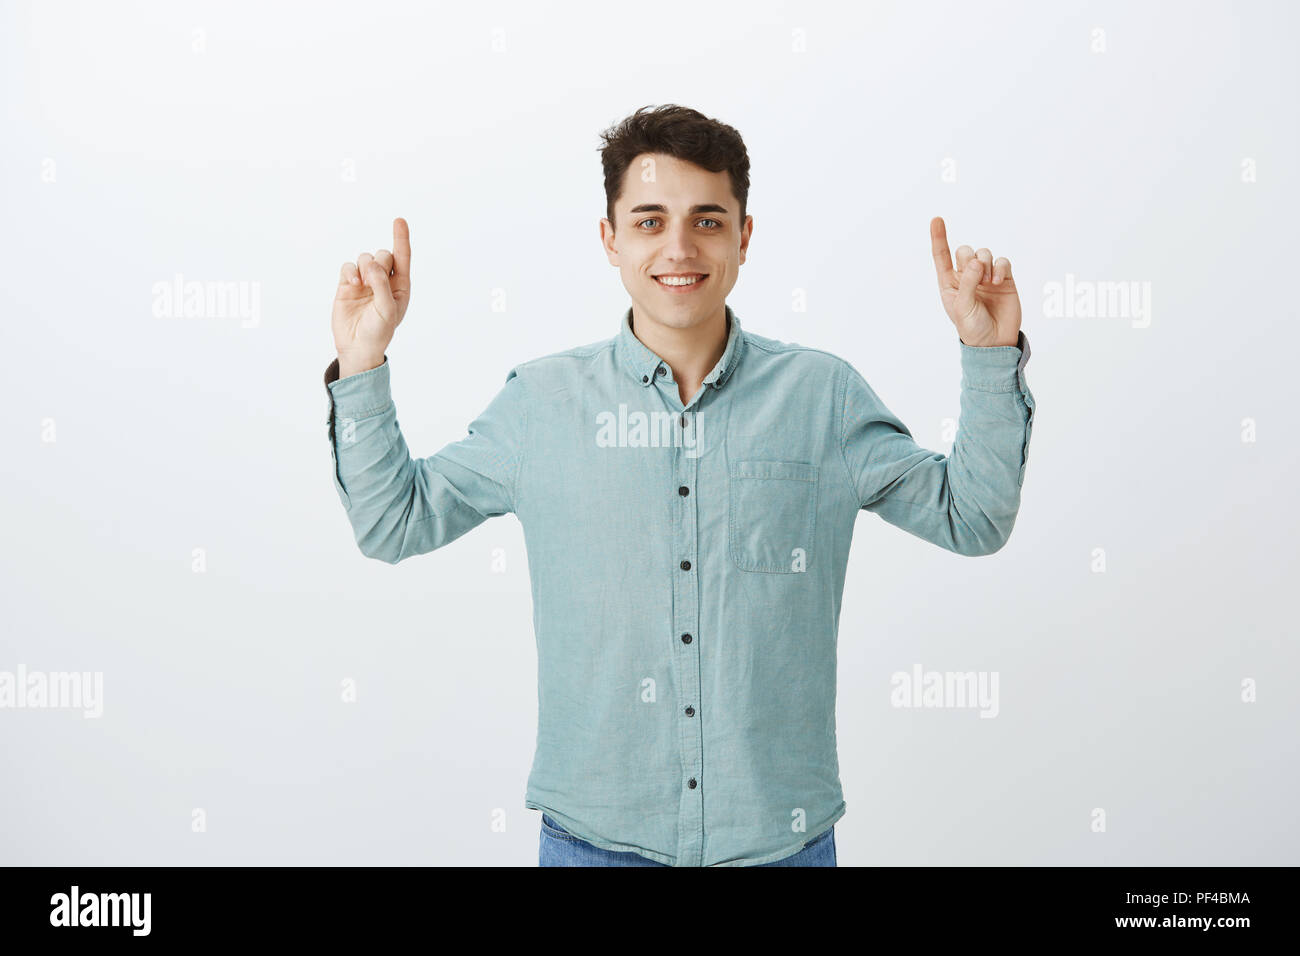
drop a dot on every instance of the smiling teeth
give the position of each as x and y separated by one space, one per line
679 280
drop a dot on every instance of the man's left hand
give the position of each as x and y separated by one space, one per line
980 295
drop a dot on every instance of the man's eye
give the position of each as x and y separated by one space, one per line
717 224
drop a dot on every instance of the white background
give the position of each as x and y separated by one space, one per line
212 140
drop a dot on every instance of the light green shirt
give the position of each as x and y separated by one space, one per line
687 563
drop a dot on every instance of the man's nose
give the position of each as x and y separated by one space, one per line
680 244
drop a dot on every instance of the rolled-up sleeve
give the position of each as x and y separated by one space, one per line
967 501
399 506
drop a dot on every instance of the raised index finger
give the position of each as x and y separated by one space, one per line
401 248
942 256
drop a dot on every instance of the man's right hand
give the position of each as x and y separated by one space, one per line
370 302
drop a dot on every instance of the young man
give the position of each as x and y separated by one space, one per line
688 491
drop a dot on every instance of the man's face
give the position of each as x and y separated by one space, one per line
676 219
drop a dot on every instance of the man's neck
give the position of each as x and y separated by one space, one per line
690 353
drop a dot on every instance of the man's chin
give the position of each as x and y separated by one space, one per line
683 316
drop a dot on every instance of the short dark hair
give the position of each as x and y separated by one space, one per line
677 131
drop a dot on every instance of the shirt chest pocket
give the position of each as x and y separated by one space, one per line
772 515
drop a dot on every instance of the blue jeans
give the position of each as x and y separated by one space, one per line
559 847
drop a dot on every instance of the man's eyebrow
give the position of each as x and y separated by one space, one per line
698 208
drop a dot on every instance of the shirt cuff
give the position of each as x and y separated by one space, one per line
993 368
358 396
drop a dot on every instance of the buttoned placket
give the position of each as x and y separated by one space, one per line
686 644
689 708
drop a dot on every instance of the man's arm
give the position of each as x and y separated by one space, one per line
967 501
399 507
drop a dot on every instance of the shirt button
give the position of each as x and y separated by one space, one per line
644 379
659 370
691 783
686 638
690 711
683 491
683 421
686 565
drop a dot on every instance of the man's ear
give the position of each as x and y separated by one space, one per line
607 241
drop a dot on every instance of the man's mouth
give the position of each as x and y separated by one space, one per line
681 281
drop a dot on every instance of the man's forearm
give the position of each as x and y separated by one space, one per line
352 365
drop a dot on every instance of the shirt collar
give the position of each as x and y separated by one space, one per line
643 364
